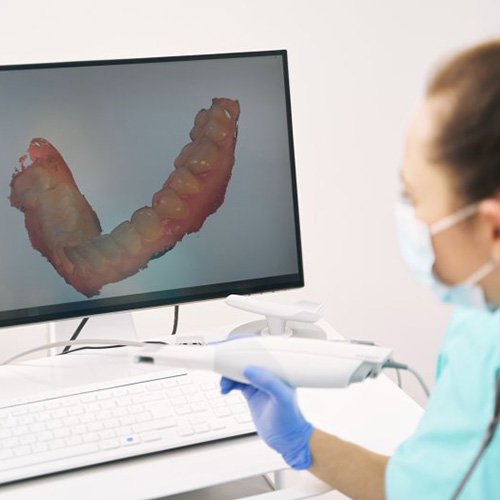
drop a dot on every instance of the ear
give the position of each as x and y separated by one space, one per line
490 209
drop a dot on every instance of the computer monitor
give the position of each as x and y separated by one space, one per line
137 183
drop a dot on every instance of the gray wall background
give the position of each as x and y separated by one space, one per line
357 72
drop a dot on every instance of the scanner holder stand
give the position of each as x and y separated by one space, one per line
281 319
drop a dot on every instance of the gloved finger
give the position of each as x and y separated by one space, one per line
268 382
227 385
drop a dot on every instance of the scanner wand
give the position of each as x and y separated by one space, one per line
300 362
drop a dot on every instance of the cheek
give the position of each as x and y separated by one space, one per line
458 255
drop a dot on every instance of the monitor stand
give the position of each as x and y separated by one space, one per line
101 326
293 329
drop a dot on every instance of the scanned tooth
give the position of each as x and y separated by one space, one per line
167 204
184 182
90 253
68 266
186 151
30 185
215 130
203 157
147 223
201 118
108 247
219 113
195 132
126 236
78 261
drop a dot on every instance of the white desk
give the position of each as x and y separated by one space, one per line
375 414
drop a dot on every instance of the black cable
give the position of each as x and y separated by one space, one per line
398 376
90 347
176 320
109 346
79 328
82 323
401 366
488 437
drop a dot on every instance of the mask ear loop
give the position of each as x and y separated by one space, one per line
455 218
482 272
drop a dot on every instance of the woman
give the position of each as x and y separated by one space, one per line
450 235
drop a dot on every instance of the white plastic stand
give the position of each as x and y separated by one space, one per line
281 319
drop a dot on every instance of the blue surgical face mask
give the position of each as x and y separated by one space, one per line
418 252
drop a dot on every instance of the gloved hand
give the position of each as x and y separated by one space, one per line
279 421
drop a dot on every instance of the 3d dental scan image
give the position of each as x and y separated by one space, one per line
63 227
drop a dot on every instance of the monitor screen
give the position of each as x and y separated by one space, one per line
137 183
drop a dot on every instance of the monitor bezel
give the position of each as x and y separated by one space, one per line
16 317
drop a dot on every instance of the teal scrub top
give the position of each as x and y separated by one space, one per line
433 461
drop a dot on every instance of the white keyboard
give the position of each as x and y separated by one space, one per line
108 422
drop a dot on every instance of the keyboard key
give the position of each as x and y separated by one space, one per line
78 410
6 453
150 436
108 434
45 436
111 423
222 412
56 444
95 426
60 413
159 410
194 398
5 433
185 430
183 409
183 380
218 403
213 394
127 420
189 389
242 418
171 382
143 417
18 431
28 439
62 432
174 392
199 428
199 406
39 447
239 408
73 440
130 440
91 437
22 450
80 429
109 444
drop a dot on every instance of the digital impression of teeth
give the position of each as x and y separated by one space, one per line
64 228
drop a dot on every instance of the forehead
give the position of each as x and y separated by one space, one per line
428 182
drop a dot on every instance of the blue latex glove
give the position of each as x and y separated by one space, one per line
279 421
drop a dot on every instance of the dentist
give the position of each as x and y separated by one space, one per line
449 223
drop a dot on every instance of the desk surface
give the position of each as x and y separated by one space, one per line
375 414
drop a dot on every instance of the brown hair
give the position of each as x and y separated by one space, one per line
468 142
